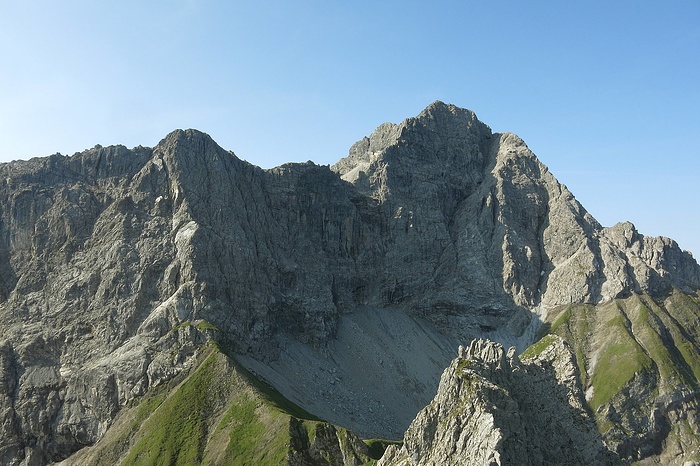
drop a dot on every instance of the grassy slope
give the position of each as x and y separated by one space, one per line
620 339
188 428
217 414
632 339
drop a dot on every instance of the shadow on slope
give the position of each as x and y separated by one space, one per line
382 368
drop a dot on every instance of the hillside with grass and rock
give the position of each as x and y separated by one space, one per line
179 305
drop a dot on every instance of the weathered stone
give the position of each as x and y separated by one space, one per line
116 264
493 409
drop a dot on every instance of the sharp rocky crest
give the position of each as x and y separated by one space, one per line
117 265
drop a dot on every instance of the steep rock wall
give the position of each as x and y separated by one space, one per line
105 253
492 408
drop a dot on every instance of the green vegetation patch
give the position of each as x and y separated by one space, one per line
119 437
562 319
538 347
257 435
574 324
680 315
463 364
203 325
617 341
603 335
275 398
219 414
184 324
176 432
619 358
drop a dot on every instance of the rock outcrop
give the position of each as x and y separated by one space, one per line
117 265
493 409
500 224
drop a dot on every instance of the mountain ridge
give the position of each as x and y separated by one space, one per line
433 231
490 409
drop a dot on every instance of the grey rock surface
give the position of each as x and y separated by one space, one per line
380 369
493 409
104 253
503 230
329 446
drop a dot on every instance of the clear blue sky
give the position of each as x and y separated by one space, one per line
606 93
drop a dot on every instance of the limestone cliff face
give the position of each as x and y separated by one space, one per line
105 253
491 408
117 264
503 230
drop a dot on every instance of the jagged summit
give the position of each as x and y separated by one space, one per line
448 159
440 106
448 114
492 408
347 288
440 125
185 136
191 148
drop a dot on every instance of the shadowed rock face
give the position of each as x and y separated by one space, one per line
104 253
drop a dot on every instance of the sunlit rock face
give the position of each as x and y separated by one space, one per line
117 264
492 408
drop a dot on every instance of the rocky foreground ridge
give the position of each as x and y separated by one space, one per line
118 266
493 408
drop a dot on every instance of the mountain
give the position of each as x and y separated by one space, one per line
347 289
238 418
493 408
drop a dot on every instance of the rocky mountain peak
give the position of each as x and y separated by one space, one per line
117 265
184 135
441 117
485 353
435 136
491 408
187 148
